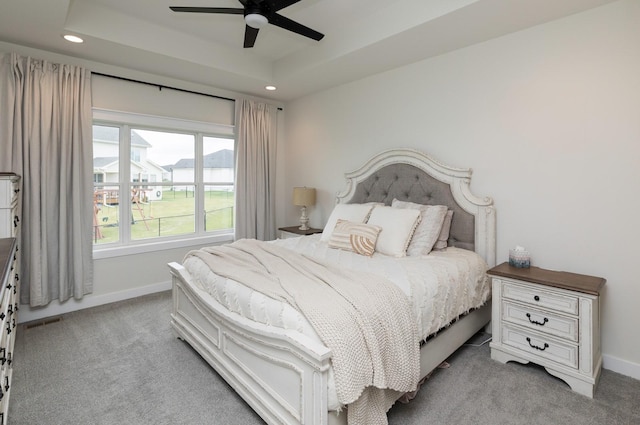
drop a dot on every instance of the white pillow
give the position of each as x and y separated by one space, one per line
427 232
397 225
443 239
357 213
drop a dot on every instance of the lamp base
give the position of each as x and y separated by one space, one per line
304 220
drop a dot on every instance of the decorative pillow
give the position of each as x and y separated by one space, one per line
357 237
397 225
443 239
357 213
427 232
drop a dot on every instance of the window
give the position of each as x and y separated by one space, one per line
160 182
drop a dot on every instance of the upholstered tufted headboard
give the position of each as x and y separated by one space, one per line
409 175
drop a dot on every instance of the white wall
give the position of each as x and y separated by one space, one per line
549 120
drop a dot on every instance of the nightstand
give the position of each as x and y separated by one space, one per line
549 318
294 232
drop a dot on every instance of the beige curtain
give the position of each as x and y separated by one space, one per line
46 137
255 170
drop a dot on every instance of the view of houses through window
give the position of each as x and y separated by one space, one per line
160 184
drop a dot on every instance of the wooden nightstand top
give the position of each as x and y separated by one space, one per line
297 231
564 280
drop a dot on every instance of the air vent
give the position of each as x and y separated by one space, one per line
44 322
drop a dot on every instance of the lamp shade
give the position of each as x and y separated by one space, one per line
304 196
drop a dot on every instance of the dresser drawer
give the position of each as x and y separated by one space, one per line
9 222
541 346
540 320
540 298
8 193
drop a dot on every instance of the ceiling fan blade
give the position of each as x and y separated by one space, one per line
225 10
281 4
287 24
250 35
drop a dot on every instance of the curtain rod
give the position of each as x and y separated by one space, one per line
161 86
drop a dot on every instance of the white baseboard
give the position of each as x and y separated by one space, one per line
621 366
29 314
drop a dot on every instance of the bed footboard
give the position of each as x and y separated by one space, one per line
281 374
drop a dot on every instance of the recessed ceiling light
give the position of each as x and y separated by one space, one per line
73 38
270 88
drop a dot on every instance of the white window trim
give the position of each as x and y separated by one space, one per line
160 245
130 119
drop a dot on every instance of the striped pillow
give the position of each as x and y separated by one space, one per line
357 237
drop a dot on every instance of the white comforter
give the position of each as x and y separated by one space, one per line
441 286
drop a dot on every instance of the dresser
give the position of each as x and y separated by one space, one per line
549 318
9 269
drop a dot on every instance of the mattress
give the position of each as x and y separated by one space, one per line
440 286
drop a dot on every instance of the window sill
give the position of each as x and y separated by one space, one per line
120 251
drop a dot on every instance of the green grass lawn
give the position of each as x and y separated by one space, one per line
171 216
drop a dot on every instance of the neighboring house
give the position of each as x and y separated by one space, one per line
218 168
106 165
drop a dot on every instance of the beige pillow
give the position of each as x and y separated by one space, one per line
357 237
443 239
397 225
427 232
357 213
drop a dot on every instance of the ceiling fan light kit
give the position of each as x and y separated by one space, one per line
255 20
257 14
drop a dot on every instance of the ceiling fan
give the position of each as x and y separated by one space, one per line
257 14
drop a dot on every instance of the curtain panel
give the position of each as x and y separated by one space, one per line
46 137
255 170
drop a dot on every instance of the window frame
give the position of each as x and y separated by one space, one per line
127 121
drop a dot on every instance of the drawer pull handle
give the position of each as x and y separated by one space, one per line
535 322
537 298
537 347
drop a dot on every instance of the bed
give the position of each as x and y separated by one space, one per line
283 370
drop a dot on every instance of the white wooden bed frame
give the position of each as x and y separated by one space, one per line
283 374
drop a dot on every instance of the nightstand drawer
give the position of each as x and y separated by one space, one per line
540 320
540 346
530 294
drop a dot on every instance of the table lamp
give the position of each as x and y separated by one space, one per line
304 197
